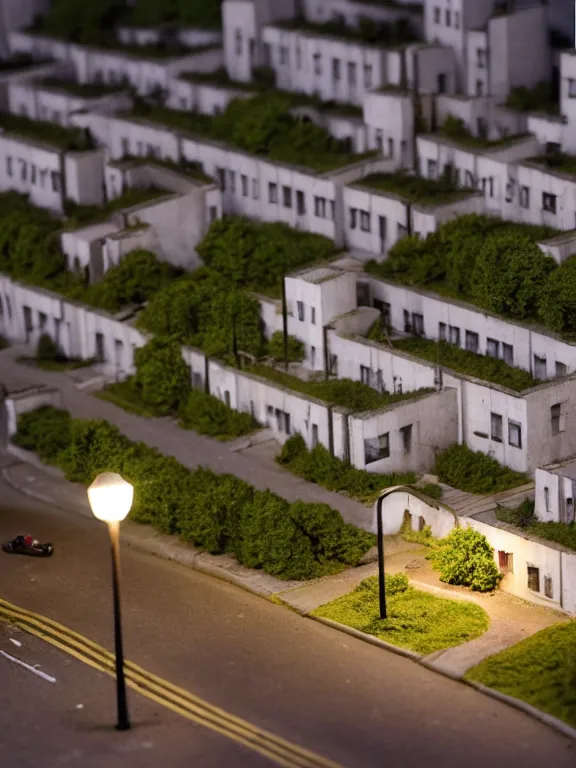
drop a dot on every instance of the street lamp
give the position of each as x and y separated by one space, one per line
110 498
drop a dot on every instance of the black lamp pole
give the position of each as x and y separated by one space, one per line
123 718
381 574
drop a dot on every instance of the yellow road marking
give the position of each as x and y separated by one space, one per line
163 692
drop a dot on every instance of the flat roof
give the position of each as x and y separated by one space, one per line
320 275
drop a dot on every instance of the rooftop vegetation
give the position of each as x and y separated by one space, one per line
475 472
542 98
81 90
523 517
85 215
189 168
494 264
68 139
455 129
461 360
182 13
557 161
381 33
416 189
261 125
18 61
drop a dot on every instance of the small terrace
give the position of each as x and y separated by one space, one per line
67 139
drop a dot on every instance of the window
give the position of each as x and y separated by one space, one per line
232 177
390 147
539 367
9 169
317 64
272 193
24 170
379 139
213 213
333 367
557 419
442 331
377 448
454 335
238 42
221 173
352 77
548 592
406 434
524 197
547 499
548 202
300 306
364 221
561 370
432 169
479 88
300 203
227 397
492 348
456 20
488 186
508 353
533 578
384 308
353 217
472 342
382 230
255 189
331 210
244 181
481 58
266 54
100 348
407 323
336 69
514 434
506 562
320 207
283 54
368 75
314 435
571 88
312 356
418 324
298 56
365 375
436 15
287 197
55 178
313 315
42 320
510 191
448 17
496 427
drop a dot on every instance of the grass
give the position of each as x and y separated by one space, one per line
125 396
475 472
523 517
85 215
62 364
68 139
540 670
81 90
415 189
455 129
418 621
557 161
463 361
346 393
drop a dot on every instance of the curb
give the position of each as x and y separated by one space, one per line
189 561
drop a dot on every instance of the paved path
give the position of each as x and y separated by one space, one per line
189 448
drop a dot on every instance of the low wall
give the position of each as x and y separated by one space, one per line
29 400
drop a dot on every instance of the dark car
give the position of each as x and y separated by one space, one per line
27 545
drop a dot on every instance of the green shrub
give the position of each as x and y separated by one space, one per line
465 558
431 489
208 415
523 517
423 536
47 349
218 513
558 298
475 472
319 466
162 377
276 348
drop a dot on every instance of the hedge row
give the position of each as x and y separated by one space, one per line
475 472
319 466
217 513
492 263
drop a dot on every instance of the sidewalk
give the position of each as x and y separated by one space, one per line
511 619
189 448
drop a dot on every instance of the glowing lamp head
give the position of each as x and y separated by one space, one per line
110 497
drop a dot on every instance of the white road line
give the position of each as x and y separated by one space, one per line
28 667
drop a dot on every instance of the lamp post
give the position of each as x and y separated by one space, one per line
381 574
110 498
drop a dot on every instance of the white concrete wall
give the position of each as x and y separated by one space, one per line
32 169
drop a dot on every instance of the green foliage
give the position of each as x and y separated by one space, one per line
89 23
419 621
523 517
423 536
151 13
202 309
125 395
475 472
208 415
47 349
319 466
541 98
162 377
257 255
433 490
558 298
465 558
69 138
458 359
276 348
540 670
218 513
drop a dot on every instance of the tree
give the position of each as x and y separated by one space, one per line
465 558
162 377
558 298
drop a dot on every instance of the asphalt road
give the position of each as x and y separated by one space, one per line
340 697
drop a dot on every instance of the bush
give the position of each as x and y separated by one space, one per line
423 536
217 513
276 348
208 415
475 472
523 517
466 559
162 377
319 466
47 349
558 298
